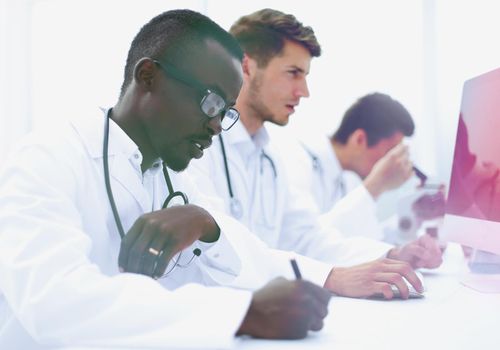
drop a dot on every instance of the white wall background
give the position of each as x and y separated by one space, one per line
62 54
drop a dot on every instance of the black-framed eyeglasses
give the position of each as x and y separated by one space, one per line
211 104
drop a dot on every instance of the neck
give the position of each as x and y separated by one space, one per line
250 119
129 122
252 125
342 154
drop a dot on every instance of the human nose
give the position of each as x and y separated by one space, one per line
214 125
302 89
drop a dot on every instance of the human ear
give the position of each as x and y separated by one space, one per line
144 71
359 137
249 65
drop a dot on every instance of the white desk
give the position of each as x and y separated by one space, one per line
451 316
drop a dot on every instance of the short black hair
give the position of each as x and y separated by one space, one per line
379 115
173 34
262 34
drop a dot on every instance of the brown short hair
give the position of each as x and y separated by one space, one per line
379 115
262 34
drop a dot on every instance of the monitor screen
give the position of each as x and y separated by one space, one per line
473 207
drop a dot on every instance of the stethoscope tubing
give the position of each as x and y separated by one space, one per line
235 205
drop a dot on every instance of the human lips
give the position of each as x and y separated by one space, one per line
291 106
198 145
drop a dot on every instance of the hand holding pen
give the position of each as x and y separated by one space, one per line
285 309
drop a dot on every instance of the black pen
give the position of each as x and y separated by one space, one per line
295 268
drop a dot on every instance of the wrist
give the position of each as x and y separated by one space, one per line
211 231
373 187
332 281
393 253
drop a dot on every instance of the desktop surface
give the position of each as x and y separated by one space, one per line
451 316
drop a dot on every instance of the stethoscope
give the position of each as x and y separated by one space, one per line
170 198
340 190
316 163
235 205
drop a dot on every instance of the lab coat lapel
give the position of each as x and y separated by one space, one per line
123 172
91 130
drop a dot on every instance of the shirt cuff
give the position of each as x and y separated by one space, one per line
313 270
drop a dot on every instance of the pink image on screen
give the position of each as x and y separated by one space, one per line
475 181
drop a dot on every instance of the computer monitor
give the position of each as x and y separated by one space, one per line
472 216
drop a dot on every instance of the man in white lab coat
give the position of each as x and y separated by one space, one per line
368 142
244 167
78 206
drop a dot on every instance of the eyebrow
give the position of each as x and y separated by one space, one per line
298 69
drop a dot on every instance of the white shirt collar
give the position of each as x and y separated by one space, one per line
240 138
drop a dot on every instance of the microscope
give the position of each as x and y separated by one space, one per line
424 207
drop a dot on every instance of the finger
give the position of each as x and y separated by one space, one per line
297 331
434 254
162 263
409 169
128 241
402 269
435 260
399 149
320 293
312 299
160 242
167 265
429 242
316 325
413 279
140 249
416 254
392 265
153 255
319 308
382 289
434 250
397 280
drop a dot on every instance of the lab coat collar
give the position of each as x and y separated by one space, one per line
247 144
124 155
332 163
91 129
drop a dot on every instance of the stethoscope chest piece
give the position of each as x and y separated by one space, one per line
236 208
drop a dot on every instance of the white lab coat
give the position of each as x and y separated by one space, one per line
59 279
279 214
314 167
